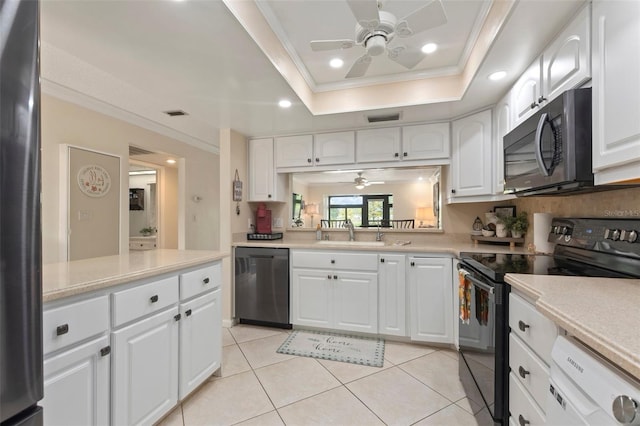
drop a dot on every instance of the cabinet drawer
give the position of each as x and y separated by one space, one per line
335 260
142 245
524 362
532 327
521 404
69 324
199 281
144 299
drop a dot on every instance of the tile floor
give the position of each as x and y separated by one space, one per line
417 385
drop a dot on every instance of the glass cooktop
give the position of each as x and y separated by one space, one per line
496 265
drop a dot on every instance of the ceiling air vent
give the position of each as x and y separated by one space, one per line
175 113
386 117
134 150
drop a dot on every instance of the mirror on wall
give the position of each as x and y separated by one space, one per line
402 198
143 202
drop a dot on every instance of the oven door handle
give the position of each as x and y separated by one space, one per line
478 283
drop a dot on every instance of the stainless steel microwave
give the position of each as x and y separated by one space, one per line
550 152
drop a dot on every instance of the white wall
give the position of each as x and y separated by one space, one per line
67 123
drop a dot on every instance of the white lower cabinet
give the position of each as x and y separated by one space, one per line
341 300
76 385
392 299
200 340
145 369
431 298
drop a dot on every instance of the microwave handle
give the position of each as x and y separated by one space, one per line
543 167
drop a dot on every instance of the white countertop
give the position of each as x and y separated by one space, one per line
66 279
453 247
604 313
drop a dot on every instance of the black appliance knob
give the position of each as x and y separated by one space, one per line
615 235
632 236
567 230
625 409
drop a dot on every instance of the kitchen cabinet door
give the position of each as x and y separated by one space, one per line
566 63
501 126
471 157
430 286
334 148
311 294
616 91
526 93
378 145
76 385
264 183
425 142
392 298
355 301
200 340
294 151
144 382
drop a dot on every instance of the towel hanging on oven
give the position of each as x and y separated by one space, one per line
482 306
464 295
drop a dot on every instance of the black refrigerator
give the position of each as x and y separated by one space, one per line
21 381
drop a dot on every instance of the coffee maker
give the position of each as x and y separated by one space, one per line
263 219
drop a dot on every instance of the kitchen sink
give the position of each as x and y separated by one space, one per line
351 243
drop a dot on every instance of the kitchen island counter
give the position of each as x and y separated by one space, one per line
64 279
601 312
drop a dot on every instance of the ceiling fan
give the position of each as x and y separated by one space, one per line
376 28
361 181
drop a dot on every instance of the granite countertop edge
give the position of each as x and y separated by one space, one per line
66 279
605 338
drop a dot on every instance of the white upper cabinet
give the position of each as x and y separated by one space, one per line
501 126
471 156
419 142
378 145
323 149
564 64
294 151
616 91
334 148
264 183
425 141
526 93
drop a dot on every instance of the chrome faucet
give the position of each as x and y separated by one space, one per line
349 225
379 234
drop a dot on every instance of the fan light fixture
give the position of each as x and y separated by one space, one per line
336 63
498 75
361 181
284 103
429 48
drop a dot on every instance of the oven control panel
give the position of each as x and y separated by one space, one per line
607 235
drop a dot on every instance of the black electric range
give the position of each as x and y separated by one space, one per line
585 247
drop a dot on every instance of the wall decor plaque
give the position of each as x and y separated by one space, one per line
94 181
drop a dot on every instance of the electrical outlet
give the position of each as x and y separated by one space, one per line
277 222
249 224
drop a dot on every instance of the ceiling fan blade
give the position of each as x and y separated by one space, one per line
407 57
319 45
360 67
366 12
430 16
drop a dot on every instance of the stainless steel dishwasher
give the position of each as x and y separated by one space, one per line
262 286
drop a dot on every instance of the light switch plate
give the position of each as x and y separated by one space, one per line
277 222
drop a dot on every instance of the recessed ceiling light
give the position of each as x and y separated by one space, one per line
498 75
284 103
336 63
171 161
420 178
429 48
